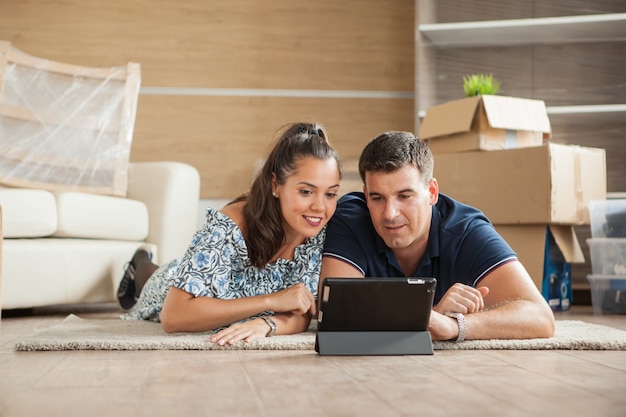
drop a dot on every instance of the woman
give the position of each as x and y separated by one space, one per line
254 266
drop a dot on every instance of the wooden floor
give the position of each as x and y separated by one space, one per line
301 383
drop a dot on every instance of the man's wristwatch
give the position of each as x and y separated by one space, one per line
460 318
270 322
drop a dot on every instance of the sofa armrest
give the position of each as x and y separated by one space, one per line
171 190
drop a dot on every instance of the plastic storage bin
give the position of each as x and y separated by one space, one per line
607 218
608 294
608 256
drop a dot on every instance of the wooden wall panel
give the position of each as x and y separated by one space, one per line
224 136
327 46
296 44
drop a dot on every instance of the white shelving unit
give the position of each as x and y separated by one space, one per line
519 32
548 30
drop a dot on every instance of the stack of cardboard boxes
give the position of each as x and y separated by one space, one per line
494 153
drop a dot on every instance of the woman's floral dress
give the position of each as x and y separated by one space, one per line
216 264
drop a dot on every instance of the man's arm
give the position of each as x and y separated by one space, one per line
513 309
335 268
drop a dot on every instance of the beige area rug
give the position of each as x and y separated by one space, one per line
75 333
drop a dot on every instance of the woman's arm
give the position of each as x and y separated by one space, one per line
286 323
182 312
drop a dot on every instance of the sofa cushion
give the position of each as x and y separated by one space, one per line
39 272
93 216
27 213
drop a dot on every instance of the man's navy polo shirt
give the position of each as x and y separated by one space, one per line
463 245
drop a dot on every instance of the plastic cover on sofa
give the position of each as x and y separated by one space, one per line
65 127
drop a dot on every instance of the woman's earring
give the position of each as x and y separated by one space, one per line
274 194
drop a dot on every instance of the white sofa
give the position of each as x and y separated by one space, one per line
71 248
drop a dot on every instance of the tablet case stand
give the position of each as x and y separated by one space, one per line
374 343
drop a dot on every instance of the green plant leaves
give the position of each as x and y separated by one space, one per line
480 84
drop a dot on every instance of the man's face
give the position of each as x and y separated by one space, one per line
400 206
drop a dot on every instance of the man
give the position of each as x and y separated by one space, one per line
402 226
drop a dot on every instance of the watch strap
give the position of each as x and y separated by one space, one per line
272 324
460 319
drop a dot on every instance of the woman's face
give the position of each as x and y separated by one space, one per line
308 198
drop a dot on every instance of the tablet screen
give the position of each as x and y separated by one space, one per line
376 304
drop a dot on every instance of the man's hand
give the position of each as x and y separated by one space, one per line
461 298
442 327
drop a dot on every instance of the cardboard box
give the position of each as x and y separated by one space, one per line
548 184
547 252
485 123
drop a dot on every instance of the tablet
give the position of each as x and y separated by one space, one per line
376 304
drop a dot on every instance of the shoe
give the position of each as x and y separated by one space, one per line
127 291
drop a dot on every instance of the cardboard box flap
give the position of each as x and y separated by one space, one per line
567 241
449 118
513 113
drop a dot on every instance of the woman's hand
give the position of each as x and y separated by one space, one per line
461 298
297 299
247 331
